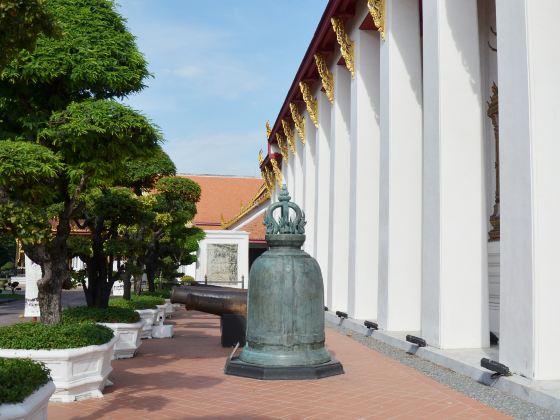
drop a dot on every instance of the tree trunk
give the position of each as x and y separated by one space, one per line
150 274
127 284
55 272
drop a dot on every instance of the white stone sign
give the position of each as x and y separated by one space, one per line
32 275
118 288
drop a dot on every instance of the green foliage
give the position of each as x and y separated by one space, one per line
21 21
161 293
95 55
35 336
83 314
137 302
188 280
142 173
19 378
7 248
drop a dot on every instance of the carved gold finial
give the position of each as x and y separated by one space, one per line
310 102
268 130
261 159
299 122
277 171
268 178
282 146
377 10
346 44
289 135
326 76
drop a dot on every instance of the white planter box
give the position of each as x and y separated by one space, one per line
168 308
149 318
79 373
129 338
162 331
34 407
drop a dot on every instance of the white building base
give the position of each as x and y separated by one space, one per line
545 394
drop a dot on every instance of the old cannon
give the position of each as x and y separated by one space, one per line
227 302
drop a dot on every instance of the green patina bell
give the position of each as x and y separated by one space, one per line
285 313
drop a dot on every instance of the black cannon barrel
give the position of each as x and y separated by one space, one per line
212 300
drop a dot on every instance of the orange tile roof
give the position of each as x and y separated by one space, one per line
222 197
256 229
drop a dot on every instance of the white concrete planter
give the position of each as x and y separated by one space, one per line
129 338
78 373
34 407
168 308
162 331
149 318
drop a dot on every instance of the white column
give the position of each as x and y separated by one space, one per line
309 184
322 197
529 94
340 190
455 269
298 170
400 212
364 179
290 173
285 175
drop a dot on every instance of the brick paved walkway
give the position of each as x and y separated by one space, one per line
182 378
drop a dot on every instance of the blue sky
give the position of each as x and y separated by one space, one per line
222 68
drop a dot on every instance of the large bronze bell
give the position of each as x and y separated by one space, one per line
285 312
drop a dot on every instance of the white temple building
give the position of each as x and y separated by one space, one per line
425 215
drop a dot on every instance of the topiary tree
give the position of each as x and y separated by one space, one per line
61 132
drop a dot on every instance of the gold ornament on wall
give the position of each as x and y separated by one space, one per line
282 146
268 130
310 102
261 159
346 44
277 171
271 178
289 136
326 76
377 11
299 122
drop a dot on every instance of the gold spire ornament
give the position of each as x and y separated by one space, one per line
377 11
261 159
289 135
326 76
271 178
282 146
299 122
310 102
277 171
346 44
268 130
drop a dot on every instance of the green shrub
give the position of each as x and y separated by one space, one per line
36 336
137 302
187 280
83 314
162 293
19 378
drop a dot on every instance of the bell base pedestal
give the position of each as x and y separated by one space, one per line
237 367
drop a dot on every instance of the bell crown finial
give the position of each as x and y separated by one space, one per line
285 224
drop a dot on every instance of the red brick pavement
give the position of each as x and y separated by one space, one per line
182 378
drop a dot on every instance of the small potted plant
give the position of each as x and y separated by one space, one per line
26 388
125 323
78 355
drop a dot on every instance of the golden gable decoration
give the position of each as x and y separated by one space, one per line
299 122
289 135
310 103
326 76
346 44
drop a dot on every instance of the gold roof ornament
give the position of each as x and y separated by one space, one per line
299 122
310 102
282 145
377 11
261 159
326 76
277 171
269 173
346 44
289 135
268 130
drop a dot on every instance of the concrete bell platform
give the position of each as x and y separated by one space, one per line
237 367
162 331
